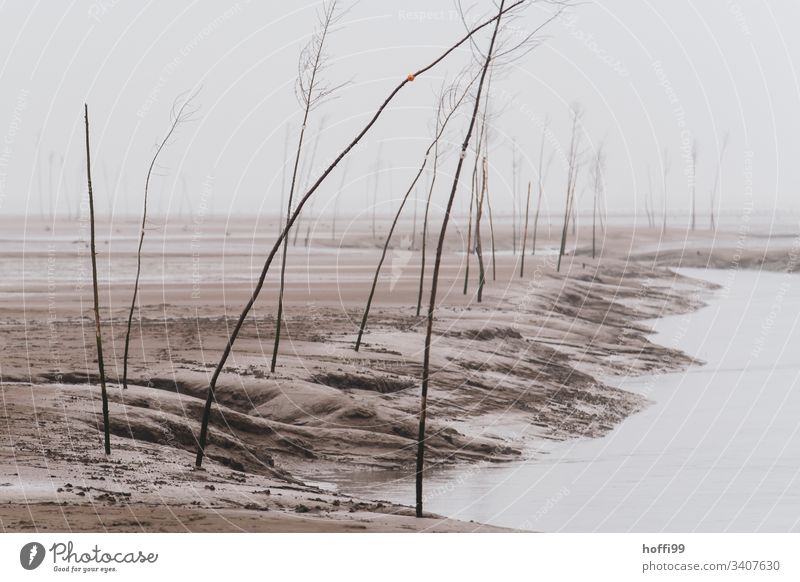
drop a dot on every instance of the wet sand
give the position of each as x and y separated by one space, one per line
536 352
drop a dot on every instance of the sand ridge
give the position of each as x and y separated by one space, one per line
538 352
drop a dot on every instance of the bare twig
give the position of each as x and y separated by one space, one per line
717 175
597 175
572 177
525 233
179 115
310 92
542 178
515 48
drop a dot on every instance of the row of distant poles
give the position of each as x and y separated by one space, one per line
54 191
53 186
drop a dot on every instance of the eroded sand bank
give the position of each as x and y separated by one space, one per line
540 350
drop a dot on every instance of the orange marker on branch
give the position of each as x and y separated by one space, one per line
410 77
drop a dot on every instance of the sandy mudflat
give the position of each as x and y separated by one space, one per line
540 351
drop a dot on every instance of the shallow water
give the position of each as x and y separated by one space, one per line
718 450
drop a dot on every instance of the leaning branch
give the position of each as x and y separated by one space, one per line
270 257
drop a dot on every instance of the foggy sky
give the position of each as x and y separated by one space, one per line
648 76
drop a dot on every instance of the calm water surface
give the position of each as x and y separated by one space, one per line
718 450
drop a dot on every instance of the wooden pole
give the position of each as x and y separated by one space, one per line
97 333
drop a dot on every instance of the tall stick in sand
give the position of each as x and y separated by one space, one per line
602 214
542 178
484 140
525 233
594 225
210 395
97 334
514 187
597 171
469 243
666 165
648 200
436 139
437 265
489 208
51 191
481 136
574 213
479 246
572 176
694 184
439 248
179 115
717 176
310 94
39 188
473 196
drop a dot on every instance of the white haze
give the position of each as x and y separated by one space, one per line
649 75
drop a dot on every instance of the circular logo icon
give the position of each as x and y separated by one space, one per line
31 555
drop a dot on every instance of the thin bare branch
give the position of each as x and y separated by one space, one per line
311 65
180 114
